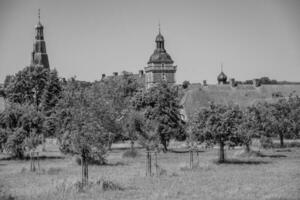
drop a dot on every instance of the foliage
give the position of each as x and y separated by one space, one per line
161 105
278 118
185 84
27 86
118 91
218 124
21 126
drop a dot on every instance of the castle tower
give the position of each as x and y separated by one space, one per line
39 55
160 65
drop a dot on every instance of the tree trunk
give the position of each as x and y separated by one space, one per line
148 163
84 168
247 148
191 159
281 140
164 143
222 152
132 145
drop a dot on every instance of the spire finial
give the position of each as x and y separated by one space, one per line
159 26
39 15
221 66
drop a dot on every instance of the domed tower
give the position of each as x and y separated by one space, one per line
160 65
39 56
222 78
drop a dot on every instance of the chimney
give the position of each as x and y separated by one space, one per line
103 76
204 83
256 82
232 82
141 73
115 73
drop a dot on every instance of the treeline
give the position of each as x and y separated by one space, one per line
86 118
267 81
232 125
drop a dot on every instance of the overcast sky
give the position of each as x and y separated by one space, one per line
87 38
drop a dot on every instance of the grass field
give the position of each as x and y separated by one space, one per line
273 177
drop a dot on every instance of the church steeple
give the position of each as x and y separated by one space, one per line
39 55
39 35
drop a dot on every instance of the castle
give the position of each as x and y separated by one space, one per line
160 67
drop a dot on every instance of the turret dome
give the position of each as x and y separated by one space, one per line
222 78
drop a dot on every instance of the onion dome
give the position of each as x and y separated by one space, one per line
160 55
39 25
159 38
222 78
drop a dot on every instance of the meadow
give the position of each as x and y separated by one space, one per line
273 176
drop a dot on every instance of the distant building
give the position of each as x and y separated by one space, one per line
160 65
39 56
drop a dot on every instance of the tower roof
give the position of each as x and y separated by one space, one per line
159 38
160 54
39 24
222 77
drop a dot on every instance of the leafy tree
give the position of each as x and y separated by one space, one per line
130 127
21 123
27 86
160 104
185 84
118 90
294 115
218 124
51 93
83 120
248 127
280 121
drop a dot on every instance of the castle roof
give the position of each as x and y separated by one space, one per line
160 55
243 95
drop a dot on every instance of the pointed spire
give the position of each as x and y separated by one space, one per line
221 66
39 15
159 26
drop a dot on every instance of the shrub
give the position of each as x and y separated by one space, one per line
14 144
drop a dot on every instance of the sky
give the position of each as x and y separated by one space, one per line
86 38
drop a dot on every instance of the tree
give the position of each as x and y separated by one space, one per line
51 93
294 115
22 128
147 136
185 84
280 121
27 86
130 127
118 91
160 104
218 124
249 126
83 120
